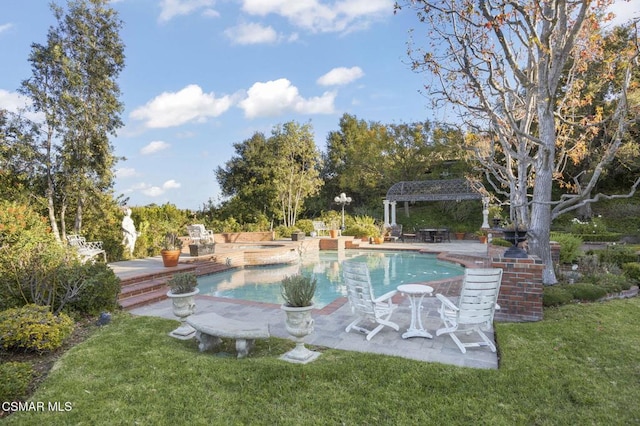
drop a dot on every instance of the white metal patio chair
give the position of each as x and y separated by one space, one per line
475 309
364 304
200 235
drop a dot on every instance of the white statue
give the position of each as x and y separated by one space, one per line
129 232
485 212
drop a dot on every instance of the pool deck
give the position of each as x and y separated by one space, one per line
331 321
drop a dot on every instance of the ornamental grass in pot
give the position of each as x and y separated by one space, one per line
298 292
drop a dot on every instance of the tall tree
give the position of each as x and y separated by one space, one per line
20 159
248 179
352 161
503 66
297 173
273 176
74 84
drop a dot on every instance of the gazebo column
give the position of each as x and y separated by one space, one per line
393 213
386 212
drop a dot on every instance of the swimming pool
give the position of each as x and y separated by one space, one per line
388 270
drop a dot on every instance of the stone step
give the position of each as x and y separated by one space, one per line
152 288
143 299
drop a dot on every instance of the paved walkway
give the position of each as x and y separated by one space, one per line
331 321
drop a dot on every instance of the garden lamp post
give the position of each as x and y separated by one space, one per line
343 200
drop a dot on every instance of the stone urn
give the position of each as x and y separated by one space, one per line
299 324
515 237
184 304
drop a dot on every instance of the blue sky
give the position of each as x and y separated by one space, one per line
202 75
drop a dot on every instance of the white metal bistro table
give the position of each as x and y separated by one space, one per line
415 293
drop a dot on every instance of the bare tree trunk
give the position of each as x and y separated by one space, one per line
51 189
540 225
77 226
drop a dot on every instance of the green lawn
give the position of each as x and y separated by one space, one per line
581 365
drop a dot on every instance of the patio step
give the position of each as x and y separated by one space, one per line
146 289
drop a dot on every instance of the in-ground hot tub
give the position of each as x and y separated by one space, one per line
258 254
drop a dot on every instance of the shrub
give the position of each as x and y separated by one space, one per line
586 291
305 225
501 242
593 226
611 283
16 377
569 246
362 226
285 231
616 254
33 328
99 289
556 295
29 256
632 270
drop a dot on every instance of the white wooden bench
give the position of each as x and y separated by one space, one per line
210 327
86 249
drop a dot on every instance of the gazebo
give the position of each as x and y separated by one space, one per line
435 190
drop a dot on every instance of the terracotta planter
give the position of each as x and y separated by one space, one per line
482 239
459 235
170 257
378 240
333 233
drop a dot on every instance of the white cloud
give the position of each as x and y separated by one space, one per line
176 108
173 8
340 76
251 33
276 97
19 104
153 147
171 184
5 27
312 15
155 191
12 101
126 172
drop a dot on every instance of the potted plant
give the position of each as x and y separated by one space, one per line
182 292
298 292
379 237
334 229
482 236
171 249
459 233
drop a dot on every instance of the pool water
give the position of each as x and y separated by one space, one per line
388 269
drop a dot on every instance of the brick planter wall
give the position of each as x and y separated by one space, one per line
244 237
520 297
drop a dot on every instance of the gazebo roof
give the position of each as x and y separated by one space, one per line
436 190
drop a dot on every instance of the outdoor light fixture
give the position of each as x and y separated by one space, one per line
343 200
